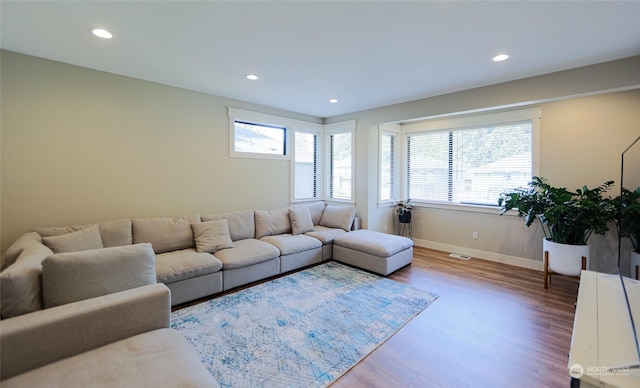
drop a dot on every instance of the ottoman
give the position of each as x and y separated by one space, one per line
374 251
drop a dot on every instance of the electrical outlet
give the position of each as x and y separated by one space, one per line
385 227
475 235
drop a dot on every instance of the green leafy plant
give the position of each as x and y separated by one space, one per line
404 207
566 217
628 218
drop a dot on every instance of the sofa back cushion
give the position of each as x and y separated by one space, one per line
15 250
272 222
316 209
165 234
73 276
338 217
114 233
81 240
20 283
241 223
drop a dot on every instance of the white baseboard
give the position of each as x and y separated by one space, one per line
484 255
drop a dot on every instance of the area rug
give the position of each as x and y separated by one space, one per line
301 330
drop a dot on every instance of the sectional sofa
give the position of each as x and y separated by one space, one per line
195 256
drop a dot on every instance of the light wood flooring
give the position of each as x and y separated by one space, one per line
494 325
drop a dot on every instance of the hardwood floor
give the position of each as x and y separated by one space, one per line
494 325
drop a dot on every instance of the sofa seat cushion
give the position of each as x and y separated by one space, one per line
159 358
247 252
175 266
73 276
325 234
374 243
289 244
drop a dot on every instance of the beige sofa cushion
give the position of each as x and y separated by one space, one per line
15 250
73 276
175 266
165 234
272 222
241 223
211 236
247 252
158 358
20 283
114 233
289 244
81 240
301 221
325 235
338 217
316 209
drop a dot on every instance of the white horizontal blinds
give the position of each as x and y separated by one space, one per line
387 167
306 165
471 165
340 165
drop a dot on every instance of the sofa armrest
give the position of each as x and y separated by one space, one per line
42 337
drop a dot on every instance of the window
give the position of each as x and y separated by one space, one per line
259 138
340 160
388 175
306 169
469 164
340 168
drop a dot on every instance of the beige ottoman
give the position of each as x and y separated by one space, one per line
374 251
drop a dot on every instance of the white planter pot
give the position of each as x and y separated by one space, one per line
565 259
635 264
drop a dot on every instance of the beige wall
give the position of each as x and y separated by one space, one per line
589 116
80 145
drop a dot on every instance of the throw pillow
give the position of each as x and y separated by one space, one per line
301 221
82 240
211 236
73 276
338 217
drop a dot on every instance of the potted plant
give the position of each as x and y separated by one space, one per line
628 223
404 211
567 218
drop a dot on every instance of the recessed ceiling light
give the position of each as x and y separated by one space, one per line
101 33
333 101
252 77
500 58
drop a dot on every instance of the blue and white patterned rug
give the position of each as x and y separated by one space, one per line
301 330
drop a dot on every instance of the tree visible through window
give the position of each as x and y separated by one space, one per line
469 166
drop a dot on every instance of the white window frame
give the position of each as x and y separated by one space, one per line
318 132
333 129
457 122
395 131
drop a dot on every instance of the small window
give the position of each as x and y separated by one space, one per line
259 138
387 167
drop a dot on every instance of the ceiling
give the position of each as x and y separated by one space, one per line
365 54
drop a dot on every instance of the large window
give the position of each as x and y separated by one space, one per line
469 164
306 167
